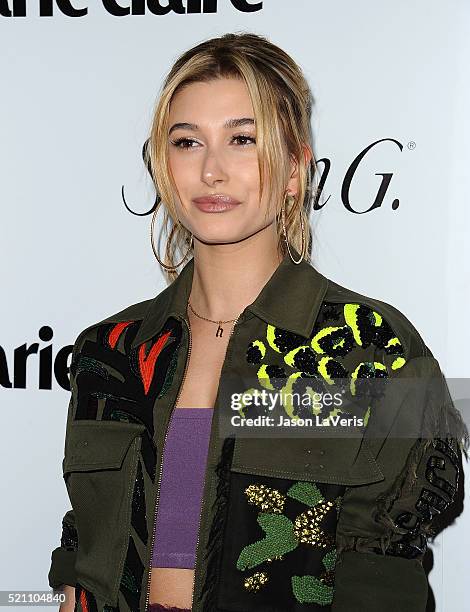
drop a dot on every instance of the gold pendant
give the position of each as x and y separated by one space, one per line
217 335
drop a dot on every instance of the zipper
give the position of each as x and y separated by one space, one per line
147 597
202 503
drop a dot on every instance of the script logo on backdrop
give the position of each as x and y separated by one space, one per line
325 163
17 8
26 364
349 177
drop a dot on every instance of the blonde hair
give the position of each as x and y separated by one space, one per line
282 104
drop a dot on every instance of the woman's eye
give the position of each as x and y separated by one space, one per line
186 143
182 141
250 138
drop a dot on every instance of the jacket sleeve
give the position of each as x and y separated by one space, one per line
416 436
62 569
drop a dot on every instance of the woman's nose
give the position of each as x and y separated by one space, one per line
213 168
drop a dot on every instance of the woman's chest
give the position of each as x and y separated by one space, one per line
205 358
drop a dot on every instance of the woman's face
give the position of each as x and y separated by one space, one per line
210 156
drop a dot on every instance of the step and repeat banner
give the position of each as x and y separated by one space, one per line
79 80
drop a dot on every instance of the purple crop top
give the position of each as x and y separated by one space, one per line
181 487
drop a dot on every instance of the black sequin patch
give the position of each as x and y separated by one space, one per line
413 543
69 538
384 333
335 369
287 341
253 354
305 361
363 388
277 376
366 325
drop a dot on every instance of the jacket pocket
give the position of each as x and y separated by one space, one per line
282 502
346 461
99 469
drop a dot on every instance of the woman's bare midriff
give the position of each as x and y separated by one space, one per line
171 586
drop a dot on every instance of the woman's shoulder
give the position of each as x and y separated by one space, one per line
379 318
118 321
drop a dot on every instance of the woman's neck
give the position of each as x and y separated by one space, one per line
228 277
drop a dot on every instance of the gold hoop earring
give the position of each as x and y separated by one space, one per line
167 267
290 199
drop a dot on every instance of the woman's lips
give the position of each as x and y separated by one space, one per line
215 204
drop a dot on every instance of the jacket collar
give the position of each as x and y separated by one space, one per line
290 299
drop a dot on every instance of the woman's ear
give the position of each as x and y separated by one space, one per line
293 184
307 153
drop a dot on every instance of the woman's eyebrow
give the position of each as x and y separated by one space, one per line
229 124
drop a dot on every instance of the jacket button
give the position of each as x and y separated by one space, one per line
308 450
322 452
321 466
307 465
85 443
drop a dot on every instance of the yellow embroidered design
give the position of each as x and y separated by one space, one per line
255 582
325 358
267 499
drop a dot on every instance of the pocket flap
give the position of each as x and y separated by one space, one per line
336 461
98 444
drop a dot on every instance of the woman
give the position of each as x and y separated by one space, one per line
170 513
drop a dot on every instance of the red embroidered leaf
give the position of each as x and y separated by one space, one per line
116 332
147 364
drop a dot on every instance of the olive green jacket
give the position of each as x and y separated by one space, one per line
288 522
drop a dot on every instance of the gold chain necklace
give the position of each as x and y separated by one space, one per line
220 330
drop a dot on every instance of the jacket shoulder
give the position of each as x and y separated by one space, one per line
134 313
402 328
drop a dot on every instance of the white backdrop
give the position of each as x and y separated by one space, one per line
77 95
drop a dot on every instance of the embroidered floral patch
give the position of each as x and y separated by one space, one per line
284 535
